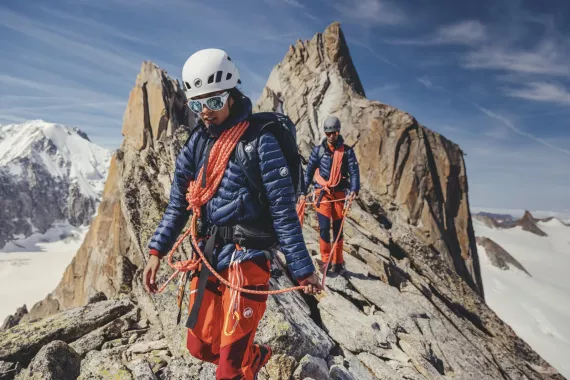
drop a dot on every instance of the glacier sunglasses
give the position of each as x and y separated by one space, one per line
214 103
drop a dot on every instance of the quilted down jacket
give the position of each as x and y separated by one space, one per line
321 157
234 202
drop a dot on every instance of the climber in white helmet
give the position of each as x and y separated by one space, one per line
238 225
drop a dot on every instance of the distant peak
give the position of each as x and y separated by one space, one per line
48 125
326 52
338 53
528 223
528 216
81 133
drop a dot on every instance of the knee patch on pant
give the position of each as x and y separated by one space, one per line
324 227
336 229
199 349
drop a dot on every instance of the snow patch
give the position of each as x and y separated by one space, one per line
15 170
554 222
537 307
32 267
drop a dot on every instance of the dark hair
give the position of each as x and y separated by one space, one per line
236 94
238 97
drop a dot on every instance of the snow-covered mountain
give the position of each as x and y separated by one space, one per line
48 173
533 295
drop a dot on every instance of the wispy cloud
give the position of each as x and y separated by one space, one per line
363 45
76 92
467 32
292 3
378 92
113 59
371 12
9 119
509 124
425 81
547 58
96 105
287 36
96 26
498 133
254 77
543 92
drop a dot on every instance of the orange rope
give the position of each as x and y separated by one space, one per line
227 283
335 175
198 196
301 210
302 205
344 213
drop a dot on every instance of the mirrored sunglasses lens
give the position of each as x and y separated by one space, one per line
195 106
215 103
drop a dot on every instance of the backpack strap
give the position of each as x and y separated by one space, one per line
321 152
246 153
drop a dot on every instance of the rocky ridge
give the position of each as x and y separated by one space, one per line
409 306
498 255
409 172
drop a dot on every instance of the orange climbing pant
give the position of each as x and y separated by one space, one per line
326 211
227 322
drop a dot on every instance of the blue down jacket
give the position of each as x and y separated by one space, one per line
349 170
234 202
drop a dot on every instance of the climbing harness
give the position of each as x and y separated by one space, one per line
199 193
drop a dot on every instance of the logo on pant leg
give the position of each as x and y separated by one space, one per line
248 312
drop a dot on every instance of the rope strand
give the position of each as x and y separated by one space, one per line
197 196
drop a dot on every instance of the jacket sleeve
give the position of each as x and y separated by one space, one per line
176 215
311 168
281 197
354 171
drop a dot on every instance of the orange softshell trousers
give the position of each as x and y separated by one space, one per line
327 210
227 322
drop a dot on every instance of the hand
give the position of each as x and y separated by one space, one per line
302 197
312 284
352 195
149 274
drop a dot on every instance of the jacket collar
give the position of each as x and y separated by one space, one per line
339 142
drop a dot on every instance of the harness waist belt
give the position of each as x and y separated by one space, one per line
246 235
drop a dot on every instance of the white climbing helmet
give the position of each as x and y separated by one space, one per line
208 70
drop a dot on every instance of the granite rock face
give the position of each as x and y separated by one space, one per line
409 305
413 174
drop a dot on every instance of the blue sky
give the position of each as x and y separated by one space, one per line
491 75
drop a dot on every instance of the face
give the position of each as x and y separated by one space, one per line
332 137
208 116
